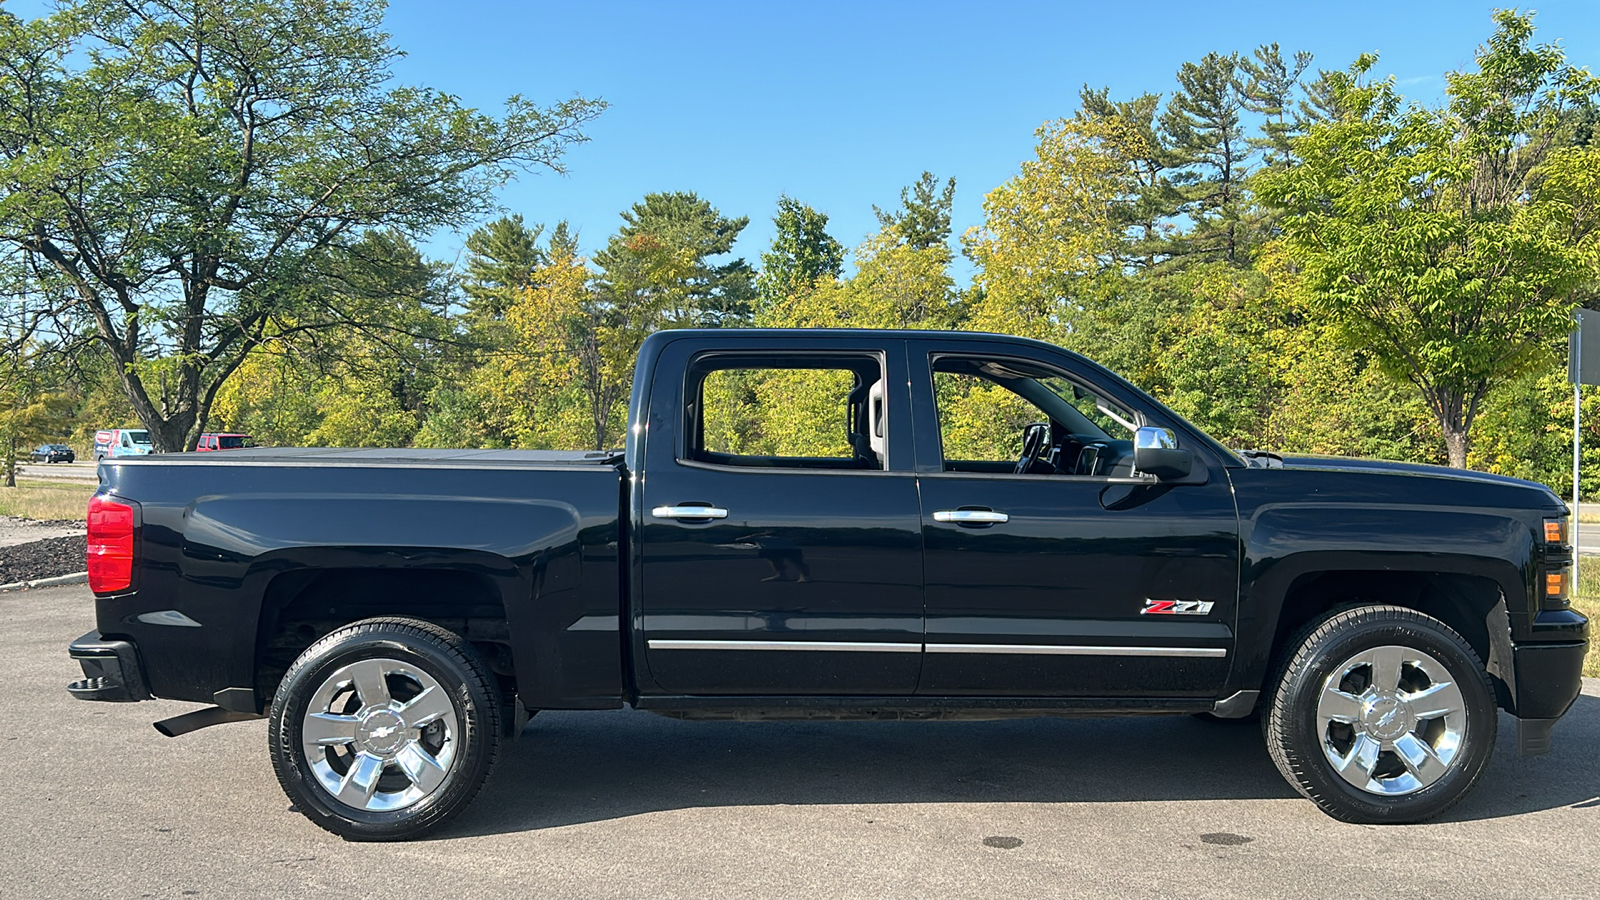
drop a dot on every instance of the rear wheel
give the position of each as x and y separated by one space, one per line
1381 715
385 729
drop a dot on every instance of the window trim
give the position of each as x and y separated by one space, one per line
681 452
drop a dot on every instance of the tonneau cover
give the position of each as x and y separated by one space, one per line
383 455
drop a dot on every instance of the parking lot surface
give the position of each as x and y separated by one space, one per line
626 804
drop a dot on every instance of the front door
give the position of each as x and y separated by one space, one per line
1056 569
781 537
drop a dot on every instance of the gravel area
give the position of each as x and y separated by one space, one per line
43 559
14 530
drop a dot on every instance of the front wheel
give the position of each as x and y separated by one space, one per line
1381 715
385 729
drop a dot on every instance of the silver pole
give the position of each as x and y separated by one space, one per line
1577 444
1577 459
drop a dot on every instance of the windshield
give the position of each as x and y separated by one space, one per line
138 437
233 441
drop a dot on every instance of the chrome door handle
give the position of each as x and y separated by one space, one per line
689 512
971 516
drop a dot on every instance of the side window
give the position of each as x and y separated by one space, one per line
1002 416
979 420
803 412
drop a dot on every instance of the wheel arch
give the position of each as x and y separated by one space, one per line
302 605
1468 594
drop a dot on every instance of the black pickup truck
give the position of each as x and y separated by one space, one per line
398 613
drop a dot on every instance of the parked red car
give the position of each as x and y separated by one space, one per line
224 441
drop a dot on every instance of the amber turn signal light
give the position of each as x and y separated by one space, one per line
1555 584
1555 531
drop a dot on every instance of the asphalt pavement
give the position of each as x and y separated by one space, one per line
626 804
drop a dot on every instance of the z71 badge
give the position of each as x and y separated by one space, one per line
1176 608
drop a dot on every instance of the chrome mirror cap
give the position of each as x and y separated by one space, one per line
1151 437
1156 452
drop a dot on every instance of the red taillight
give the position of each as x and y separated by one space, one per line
110 545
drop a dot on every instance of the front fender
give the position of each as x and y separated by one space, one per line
1286 543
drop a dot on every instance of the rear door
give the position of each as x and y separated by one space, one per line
780 543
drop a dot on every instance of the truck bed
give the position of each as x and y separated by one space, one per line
518 547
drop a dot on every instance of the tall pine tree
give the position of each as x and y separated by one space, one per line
923 219
1203 126
662 257
802 253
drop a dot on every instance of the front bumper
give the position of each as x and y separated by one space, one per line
111 670
1548 680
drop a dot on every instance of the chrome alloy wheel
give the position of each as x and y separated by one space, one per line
1391 720
380 734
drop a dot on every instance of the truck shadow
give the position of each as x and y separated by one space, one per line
572 768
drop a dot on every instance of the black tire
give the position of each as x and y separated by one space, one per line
424 648
1296 739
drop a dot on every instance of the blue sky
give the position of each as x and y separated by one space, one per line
840 104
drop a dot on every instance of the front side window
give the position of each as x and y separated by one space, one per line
787 412
1002 416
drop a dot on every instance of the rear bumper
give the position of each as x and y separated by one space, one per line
111 670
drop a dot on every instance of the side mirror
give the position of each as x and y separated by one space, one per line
1156 452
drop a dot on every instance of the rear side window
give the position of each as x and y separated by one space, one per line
231 442
803 412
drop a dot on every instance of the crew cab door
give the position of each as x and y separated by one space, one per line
779 531
1069 574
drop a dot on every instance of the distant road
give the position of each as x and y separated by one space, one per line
78 471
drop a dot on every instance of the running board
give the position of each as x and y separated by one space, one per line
200 718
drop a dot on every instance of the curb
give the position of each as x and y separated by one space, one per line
74 578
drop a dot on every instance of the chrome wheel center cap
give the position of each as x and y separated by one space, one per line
382 732
1385 717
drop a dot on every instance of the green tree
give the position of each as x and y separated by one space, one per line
895 285
1147 213
1203 124
1270 85
1450 241
501 259
923 219
690 230
365 383
1050 247
180 169
802 253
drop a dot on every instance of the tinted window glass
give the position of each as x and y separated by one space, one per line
788 413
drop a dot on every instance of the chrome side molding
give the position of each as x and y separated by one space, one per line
834 646
892 647
1077 650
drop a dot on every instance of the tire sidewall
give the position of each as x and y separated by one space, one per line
1305 687
320 661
